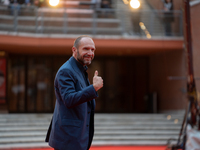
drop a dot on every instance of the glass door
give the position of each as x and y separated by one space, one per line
31 83
16 85
39 85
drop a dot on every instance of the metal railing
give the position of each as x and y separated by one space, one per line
90 21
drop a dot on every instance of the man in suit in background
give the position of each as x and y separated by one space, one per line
72 125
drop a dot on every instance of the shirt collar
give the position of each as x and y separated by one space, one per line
80 66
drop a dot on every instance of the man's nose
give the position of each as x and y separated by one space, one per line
90 52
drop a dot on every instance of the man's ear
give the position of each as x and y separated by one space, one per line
73 49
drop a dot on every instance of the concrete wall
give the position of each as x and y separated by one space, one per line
195 30
171 93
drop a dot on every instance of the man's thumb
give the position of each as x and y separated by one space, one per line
96 73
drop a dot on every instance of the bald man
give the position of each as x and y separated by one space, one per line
72 125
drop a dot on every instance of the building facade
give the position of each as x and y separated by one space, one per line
140 75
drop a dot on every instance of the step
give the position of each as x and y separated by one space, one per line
5 140
23 145
29 130
20 133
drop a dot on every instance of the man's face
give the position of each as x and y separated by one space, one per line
85 52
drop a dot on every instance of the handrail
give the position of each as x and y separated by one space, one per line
88 21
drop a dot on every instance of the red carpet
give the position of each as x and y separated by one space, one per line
129 148
112 148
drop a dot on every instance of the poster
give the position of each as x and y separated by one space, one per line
2 80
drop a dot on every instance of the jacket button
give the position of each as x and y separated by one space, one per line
88 112
87 125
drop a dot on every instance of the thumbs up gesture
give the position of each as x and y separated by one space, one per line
97 81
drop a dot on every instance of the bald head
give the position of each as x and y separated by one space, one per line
78 40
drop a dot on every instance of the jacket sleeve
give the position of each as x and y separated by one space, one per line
67 86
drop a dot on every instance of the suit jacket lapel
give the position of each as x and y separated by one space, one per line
77 70
82 82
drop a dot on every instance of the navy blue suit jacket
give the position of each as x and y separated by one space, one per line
73 119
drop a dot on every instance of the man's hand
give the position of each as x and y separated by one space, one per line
97 81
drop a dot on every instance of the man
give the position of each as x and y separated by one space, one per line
72 125
168 16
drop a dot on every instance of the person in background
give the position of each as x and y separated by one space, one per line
135 18
96 4
5 2
27 2
72 125
105 4
15 6
168 16
106 8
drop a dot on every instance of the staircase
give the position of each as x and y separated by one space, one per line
29 130
79 17
70 17
148 16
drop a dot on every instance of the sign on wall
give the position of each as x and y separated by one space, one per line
2 80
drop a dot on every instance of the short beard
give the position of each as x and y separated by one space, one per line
81 60
84 62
